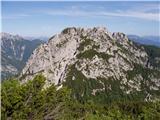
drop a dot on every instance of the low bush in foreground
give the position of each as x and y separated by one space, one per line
31 101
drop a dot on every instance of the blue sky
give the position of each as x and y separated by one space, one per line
47 18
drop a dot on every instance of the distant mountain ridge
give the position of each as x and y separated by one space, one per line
146 40
15 51
43 38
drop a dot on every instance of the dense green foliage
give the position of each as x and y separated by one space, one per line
31 101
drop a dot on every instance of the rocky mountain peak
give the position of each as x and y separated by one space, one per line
81 31
92 53
119 36
7 36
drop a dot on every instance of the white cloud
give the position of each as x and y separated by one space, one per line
128 13
15 16
141 15
139 12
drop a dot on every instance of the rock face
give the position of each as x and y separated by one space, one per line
15 52
94 61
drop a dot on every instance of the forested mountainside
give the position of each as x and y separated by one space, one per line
15 52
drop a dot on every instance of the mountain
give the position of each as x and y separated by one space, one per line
96 64
15 51
43 38
146 40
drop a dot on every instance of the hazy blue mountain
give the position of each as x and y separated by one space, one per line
43 38
146 40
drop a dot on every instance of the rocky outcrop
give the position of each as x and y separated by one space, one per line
96 54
